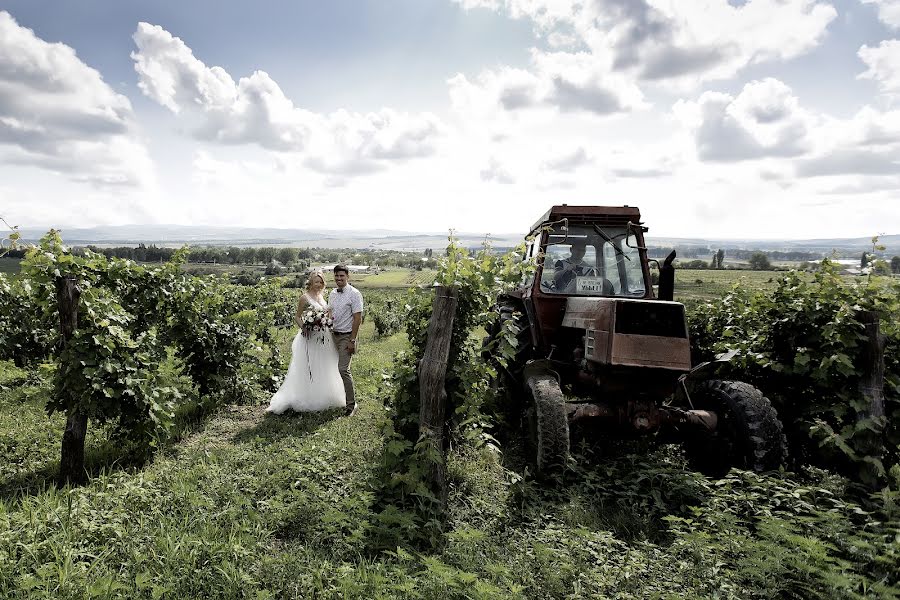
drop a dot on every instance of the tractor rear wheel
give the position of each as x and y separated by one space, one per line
748 436
548 422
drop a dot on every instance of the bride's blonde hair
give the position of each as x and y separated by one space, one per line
312 276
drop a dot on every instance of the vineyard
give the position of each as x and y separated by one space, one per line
186 488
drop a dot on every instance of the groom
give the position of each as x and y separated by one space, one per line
346 304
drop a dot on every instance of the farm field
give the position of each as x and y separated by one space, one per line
695 285
394 278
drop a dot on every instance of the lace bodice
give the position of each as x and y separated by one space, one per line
315 303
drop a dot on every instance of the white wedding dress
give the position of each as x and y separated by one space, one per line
312 381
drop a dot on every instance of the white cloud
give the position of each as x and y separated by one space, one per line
496 173
568 82
568 161
764 120
659 40
888 11
255 111
57 113
850 161
883 64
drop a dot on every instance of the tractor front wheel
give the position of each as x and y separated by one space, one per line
548 422
748 436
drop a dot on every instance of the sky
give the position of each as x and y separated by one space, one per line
717 118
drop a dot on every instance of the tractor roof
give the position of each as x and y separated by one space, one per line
595 214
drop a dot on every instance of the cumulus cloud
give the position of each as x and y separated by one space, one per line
865 147
648 173
568 161
658 40
57 113
496 173
764 120
256 111
850 161
569 82
883 64
888 11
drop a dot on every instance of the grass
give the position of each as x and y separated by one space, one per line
250 505
395 278
693 285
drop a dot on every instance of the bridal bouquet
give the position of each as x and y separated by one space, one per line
313 320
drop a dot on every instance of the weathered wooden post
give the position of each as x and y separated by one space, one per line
432 394
871 383
71 463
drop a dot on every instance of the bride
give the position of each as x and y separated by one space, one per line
312 381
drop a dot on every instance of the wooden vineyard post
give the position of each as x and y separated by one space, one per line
871 383
71 463
432 394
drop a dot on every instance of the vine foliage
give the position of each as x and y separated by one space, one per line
410 511
130 319
805 346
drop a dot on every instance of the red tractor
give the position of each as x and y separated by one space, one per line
596 348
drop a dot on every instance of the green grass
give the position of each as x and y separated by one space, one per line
395 278
695 285
251 505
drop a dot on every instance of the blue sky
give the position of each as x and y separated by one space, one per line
765 118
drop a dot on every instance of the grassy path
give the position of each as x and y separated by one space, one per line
251 503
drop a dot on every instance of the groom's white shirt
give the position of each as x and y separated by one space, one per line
343 305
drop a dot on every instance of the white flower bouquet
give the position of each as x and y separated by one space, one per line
314 320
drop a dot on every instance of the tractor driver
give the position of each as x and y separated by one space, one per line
567 269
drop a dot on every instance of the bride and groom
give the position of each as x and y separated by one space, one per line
318 377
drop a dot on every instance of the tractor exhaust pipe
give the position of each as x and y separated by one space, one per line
667 278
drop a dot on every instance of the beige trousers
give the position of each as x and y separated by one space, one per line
341 341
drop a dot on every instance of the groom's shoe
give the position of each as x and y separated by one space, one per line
350 410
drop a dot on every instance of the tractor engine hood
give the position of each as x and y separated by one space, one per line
633 333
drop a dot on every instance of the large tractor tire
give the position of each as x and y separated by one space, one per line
548 422
748 436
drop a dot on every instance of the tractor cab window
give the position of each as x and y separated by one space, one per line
587 260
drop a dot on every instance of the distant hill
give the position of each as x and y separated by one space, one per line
177 235
824 245
386 239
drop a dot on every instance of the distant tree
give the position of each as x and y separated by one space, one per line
895 265
760 262
286 255
864 260
720 259
233 255
881 267
248 256
265 255
693 264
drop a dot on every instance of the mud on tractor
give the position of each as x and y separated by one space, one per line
587 323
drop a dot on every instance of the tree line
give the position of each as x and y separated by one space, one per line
262 255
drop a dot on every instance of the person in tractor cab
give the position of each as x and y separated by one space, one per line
567 269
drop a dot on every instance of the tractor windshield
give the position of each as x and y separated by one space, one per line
590 260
